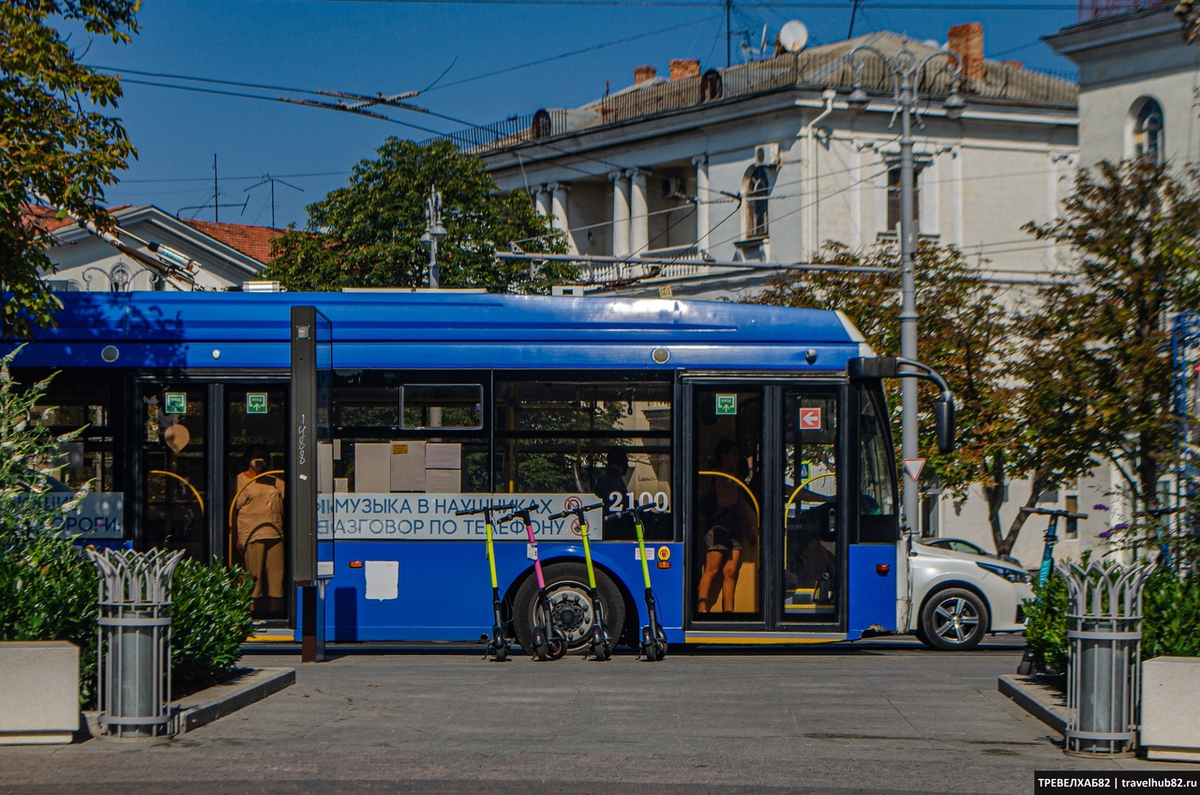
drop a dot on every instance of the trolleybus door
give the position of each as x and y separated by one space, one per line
766 537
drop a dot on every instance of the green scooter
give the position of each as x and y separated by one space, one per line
653 646
497 648
601 640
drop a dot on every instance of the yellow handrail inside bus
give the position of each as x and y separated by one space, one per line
757 512
803 484
788 506
185 482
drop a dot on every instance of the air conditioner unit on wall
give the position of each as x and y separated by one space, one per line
766 155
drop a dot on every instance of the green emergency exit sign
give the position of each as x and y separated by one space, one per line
727 404
256 403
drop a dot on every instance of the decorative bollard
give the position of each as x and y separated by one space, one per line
1104 632
135 641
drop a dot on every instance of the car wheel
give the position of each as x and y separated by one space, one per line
954 620
570 605
920 635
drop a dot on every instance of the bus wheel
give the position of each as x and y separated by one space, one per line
954 620
570 605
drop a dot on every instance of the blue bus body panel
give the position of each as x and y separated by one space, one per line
465 612
428 330
872 594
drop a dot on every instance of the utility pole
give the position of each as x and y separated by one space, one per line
216 193
903 68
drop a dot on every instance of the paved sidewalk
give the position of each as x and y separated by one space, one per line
872 717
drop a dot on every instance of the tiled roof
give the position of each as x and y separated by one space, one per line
45 218
253 241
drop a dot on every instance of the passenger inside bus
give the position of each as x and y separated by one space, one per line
728 529
258 528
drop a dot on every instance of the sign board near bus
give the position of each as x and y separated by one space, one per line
97 517
431 517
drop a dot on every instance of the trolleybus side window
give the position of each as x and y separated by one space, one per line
877 505
607 437
396 436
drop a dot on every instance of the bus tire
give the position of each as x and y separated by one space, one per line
954 619
570 605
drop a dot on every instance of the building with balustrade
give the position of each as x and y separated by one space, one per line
703 183
1139 74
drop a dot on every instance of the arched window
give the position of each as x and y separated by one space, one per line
1148 130
758 185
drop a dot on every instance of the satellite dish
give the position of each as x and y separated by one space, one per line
793 36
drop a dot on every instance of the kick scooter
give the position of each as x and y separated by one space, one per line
601 642
497 647
549 643
1050 538
653 646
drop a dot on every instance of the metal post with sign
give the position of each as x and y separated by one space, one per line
310 414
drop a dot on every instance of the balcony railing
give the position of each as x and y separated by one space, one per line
805 70
1091 10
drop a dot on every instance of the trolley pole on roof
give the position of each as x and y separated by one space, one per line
904 70
435 233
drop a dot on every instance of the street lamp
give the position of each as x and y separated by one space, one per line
435 233
904 68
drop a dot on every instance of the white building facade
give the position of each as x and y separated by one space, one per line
763 163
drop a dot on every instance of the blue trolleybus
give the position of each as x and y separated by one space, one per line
752 431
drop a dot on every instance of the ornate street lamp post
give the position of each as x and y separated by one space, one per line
435 233
904 69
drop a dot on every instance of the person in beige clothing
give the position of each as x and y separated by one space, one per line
258 524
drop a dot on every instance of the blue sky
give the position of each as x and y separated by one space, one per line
390 47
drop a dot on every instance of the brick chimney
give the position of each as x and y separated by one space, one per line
684 67
967 41
643 74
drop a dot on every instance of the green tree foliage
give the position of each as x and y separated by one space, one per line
211 618
965 332
367 234
50 592
1046 624
30 457
1170 625
1099 347
56 144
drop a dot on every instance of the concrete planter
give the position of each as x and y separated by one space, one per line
39 692
1171 708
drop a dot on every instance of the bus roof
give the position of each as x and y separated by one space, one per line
440 330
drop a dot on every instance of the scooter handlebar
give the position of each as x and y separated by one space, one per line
580 510
522 513
485 509
637 510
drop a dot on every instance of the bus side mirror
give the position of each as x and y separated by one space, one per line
944 413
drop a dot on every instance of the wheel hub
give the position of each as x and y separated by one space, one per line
570 614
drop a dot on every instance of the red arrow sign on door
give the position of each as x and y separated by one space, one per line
810 419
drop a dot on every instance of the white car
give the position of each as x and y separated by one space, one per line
958 597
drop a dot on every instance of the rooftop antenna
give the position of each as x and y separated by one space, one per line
750 52
853 14
268 178
728 35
